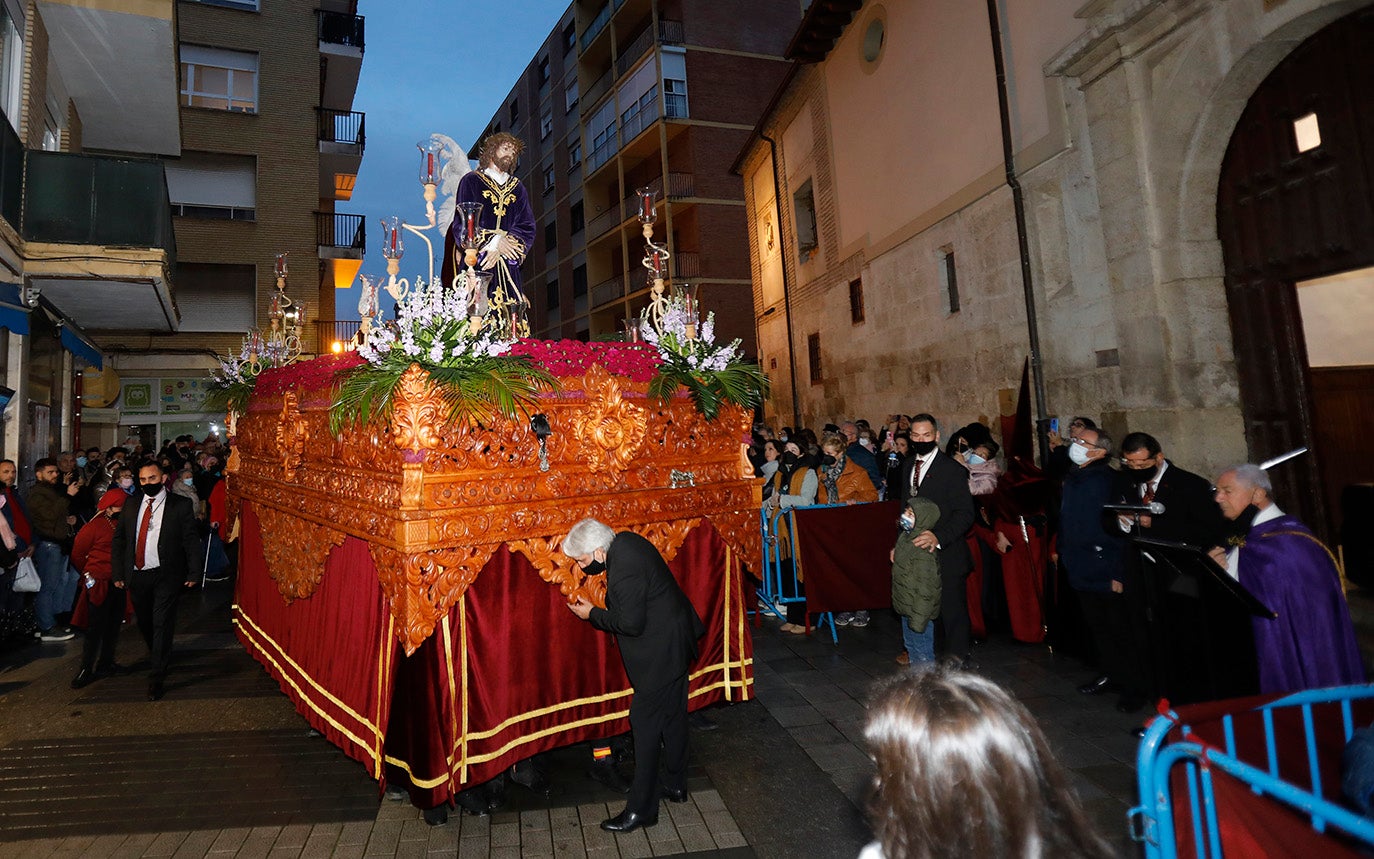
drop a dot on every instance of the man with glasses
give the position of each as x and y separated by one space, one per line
657 629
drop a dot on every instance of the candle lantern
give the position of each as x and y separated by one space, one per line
647 215
470 214
633 334
687 292
281 266
431 165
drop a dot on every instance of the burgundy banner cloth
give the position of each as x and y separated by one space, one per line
1259 826
845 553
509 671
331 653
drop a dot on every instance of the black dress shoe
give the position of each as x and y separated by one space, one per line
531 779
628 821
114 669
473 801
607 774
83 678
436 816
155 691
1129 703
1097 686
675 795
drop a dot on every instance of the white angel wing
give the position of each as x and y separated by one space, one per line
455 165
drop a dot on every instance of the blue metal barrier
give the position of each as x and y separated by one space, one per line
779 586
1152 822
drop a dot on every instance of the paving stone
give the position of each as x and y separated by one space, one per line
592 814
730 839
708 800
596 838
536 842
505 835
197 844
348 851
135 844
508 853
534 820
683 813
356 832
105 846
633 845
695 838
411 850
415 829
294 835
165 844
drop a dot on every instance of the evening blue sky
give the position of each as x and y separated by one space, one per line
430 65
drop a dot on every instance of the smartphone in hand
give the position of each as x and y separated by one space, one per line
1054 425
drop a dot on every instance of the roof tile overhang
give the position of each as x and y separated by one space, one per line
821 28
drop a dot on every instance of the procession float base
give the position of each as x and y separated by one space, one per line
402 581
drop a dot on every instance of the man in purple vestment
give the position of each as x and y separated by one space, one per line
505 228
1278 559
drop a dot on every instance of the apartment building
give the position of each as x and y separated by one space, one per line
270 149
89 96
625 94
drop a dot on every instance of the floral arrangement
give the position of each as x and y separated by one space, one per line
636 361
316 374
711 374
233 384
465 359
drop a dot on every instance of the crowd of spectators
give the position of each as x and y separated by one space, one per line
63 524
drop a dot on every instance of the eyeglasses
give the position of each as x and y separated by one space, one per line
1138 464
1078 425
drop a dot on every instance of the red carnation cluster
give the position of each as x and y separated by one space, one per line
304 375
636 361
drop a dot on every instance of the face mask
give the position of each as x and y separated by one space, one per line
126 483
1140 475
81 462
827 460
595 568
151 489
783 438
789 458
186 480
1078 454
923 447
973 459
907 520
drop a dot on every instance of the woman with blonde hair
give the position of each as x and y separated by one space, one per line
964 770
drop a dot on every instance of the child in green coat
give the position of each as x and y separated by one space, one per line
916 582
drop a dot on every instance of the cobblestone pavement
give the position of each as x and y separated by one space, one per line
223 766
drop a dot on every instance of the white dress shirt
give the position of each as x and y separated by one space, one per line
158 502
1233 554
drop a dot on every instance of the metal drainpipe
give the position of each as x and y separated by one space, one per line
786 287
1019 205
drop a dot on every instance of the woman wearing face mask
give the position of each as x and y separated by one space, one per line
974 448
794 485
124 480
772 460
184 485
99 607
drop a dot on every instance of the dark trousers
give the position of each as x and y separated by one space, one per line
1108 617
155 598
102 631
658 717
954 613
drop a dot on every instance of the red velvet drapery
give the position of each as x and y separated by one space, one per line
844 555
509 671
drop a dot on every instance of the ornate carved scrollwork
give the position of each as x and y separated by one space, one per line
611 430
292 433
740 531
667 537
295 550
419 413
557 568
423 586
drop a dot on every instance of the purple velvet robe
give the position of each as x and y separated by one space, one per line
1312 642
504 207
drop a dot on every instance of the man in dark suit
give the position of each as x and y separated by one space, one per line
1190 516
156 555
929 473
657 630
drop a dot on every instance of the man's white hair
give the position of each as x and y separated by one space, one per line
1252 475
586 537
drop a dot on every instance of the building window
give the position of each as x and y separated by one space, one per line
551 298
213 185
575 154
570 95
675 99
949 278
11 67
215 297
856 300
546 124
543 70
551 235
813 357
219 79
578 217
548 178
580 282
570 37
804 215
514 111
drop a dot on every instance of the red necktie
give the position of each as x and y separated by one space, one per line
143 536
1149 493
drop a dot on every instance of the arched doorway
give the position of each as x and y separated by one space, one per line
1295 216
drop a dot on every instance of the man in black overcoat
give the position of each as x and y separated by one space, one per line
657 629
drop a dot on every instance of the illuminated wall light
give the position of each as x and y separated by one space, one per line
336 347
343 185
1308 132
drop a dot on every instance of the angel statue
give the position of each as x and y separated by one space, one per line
506 226
455 162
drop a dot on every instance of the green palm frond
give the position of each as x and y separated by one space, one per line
744 385
230 396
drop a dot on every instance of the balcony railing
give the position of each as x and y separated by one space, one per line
639 116
603 223
337 230
608 290
331 331
601 154
600 87
596 26
11 175
346 127
675 105
339 28
96 200
669 32
686 264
